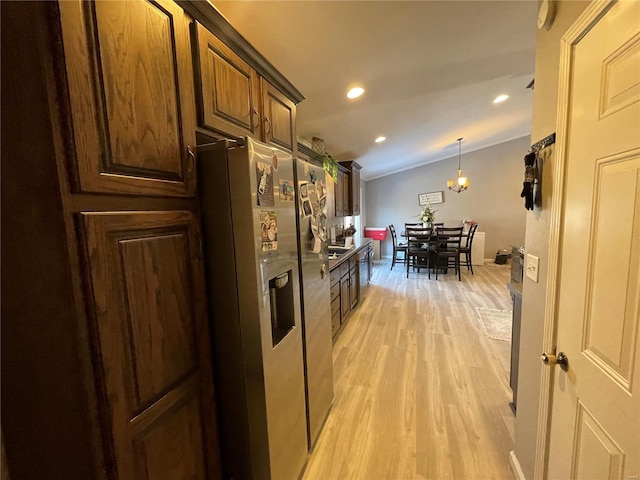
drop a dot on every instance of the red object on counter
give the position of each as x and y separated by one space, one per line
377 233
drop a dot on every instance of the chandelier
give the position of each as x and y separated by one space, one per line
462 183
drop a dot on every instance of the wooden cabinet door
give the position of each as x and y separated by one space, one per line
355 191
354 285
339 195
347 206
130 84
279 117
152 353
229 89
345 301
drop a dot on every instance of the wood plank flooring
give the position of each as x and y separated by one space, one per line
420 391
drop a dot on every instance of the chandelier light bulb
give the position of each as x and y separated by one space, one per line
462 181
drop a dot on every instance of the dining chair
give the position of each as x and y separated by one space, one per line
446 246
466 249
412 225
397 248
418 252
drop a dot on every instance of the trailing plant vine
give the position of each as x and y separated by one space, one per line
330 166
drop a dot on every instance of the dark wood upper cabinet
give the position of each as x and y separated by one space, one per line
350 189
279 117
339 188
234 100
229 88
354 189
130 85
346 198
147 287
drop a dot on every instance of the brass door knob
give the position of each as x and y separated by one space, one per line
552 359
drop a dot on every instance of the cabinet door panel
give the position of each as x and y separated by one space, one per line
131 95
153 351
347 204
160 318
171 450
354 284
279 117
229 88
355 190
345 301
339 195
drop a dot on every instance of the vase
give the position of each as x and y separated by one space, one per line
426 225
317 145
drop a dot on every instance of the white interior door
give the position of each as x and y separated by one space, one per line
595 416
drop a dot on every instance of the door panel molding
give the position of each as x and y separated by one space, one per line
591 443
131 102
146 286
576 32
612 274
618 91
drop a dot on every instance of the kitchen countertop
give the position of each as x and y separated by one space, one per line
359 244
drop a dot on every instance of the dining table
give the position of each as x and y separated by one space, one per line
429 240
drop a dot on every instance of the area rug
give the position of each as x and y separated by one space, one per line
496 323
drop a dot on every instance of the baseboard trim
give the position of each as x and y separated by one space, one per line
515 466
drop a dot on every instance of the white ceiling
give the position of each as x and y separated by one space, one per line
430 70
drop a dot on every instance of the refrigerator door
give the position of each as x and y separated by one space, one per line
248 209
316 302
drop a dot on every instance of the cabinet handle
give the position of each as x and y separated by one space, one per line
192 163
267 122
255 114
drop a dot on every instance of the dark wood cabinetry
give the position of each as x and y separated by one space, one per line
228 87
234 100
130 87
354 189
347 190
354 281
148 305
345 295
279 115
106 356
346 281
338 192
335 303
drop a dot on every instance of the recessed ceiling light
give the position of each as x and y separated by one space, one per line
355 92
501 98
380 139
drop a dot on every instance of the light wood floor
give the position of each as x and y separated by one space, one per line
420 391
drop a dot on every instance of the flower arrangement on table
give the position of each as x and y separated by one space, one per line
428 215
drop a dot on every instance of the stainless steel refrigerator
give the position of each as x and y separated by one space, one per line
316 297
248 200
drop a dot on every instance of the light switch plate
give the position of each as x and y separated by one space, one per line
531 267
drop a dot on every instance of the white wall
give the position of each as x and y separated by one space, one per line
493 198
